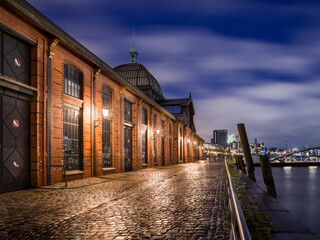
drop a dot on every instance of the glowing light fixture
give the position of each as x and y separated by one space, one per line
105 112
158 131
188 140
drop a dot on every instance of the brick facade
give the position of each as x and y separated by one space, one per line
51 49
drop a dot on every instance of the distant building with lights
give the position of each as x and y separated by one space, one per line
66 114
220 137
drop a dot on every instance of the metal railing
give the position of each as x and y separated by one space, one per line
238 223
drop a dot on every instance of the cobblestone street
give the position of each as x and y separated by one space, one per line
177 202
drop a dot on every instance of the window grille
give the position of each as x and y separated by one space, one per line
154 150
169 150
72 81
106 129
106 143
181 150
173 109
154 121
71 138
144 147
144 116
127 111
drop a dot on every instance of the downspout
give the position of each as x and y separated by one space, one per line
139 160
94 116
48 109
121 126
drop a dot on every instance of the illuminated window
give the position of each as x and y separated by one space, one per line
106 129
71 137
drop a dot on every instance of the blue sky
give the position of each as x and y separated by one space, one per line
245 61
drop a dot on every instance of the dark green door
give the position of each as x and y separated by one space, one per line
14 144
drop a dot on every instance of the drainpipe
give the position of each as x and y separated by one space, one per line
48 109
139 160
121 126
94 116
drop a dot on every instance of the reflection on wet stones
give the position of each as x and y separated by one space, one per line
182 201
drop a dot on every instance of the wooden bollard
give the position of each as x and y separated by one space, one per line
242 167
267 175
237 161
246 150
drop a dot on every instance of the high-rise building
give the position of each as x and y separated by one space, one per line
220 137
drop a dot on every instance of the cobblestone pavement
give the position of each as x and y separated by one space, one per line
184 201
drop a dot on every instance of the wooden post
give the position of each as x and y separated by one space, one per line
241 162
246 150
267 175
237 161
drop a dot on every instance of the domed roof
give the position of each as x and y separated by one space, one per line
139 76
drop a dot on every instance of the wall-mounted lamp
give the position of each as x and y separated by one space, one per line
188 140
156 133
97 123
105 112
194 143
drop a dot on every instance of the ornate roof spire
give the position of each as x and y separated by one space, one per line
133 52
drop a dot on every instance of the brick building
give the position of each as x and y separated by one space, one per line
66 113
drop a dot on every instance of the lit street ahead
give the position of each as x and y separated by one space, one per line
183 201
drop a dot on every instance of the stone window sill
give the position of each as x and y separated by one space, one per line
74 172
109 169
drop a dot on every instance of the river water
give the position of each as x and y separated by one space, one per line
298 190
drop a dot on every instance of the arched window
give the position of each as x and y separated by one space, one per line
71 137
72 81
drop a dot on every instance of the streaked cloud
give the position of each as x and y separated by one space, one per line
263 71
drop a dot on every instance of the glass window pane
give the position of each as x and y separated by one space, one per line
72 81
127 111
106 143
71 138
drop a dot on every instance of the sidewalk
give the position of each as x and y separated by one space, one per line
182 201
286 224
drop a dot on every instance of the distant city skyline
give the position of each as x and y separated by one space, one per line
255 62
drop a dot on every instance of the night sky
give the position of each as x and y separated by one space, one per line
256 62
